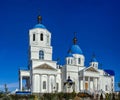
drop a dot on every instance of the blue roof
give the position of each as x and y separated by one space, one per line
75 49
93 59
111 72
39 26
69 53
23 92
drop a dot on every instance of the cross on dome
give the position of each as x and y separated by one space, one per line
75 39
39 19
39 25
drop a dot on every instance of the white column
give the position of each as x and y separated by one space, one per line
48 83
89 83
55 82
20 83
93 84
33 82
97 84
83 83
79 83
40 83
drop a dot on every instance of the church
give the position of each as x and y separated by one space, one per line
45 75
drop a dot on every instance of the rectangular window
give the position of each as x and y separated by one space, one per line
47 39
112 89
57 86
41 55
71 61
79 60
33 37
44 84
41 36
106 87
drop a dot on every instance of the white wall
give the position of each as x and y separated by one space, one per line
106 80
37 45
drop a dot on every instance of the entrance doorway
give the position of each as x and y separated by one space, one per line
86 86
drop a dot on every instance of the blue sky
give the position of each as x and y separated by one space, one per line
96 22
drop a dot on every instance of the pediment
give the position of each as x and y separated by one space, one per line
91 69
45 66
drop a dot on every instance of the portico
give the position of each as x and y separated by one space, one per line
46 83
89 78
44 76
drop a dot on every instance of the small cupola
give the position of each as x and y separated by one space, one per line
94 62
69 58
75 55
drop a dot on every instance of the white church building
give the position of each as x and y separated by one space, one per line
45 76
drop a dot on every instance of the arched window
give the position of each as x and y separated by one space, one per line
68 61
44 84
41 36
41 54
71 61
33 37
79 60
106 87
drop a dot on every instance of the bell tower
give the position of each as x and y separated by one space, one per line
40 42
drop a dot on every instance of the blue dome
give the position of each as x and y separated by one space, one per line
76 49
39 26
69 54
93 59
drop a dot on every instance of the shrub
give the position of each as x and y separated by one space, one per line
60 95
101 97
113 97
19 97
119 96
83 95
50 96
